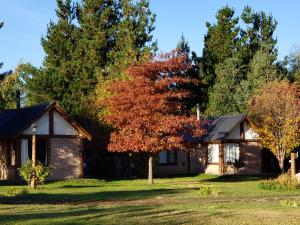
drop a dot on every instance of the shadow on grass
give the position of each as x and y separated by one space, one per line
80 198
11 183
80 186
239 178
73 213
140 214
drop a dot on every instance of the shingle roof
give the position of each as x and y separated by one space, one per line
221 127
13 121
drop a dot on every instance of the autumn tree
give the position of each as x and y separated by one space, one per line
147 111
276 115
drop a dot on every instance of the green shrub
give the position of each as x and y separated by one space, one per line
283 182
14 192
41 172
288 203
209 191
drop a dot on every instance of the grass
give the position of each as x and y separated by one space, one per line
168 201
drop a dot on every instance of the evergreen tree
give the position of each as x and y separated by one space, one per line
226 40
258 34
55 80
196 88
133 36
261 71
222 97
220 43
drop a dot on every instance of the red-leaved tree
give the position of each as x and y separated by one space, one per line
147 110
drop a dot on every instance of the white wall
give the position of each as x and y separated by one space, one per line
250 133
43 125
61 126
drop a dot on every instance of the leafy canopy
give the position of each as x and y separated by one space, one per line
276 115
147 110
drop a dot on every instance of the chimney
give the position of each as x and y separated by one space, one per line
18 96
198 112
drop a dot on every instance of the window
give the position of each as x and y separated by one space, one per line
231 152
41 150
167 157
213 153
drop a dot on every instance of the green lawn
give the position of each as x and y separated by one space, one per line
168 201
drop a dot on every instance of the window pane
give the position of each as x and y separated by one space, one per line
24 151
41 149
231 152
213 153
172 158
162 157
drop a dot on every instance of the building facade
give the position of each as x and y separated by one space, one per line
231 146
59 141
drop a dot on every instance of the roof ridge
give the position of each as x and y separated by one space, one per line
33 106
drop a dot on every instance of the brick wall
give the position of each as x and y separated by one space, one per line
179 168
251 156
197 162
65 158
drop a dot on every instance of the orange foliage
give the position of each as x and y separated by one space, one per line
147 111
276 114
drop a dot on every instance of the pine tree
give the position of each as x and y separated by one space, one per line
258 34
227 40
133 36
222 97
220 43
56 78
261 71
196 88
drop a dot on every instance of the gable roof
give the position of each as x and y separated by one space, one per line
14 121
222 126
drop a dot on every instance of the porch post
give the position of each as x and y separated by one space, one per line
33 155
221 160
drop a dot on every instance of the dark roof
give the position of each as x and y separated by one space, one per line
222 126
14 121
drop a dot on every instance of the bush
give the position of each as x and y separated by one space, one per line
283 182
209 190
234 167
288 203
41 172
14 192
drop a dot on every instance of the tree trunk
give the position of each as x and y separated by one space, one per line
293 164
150 170
281 164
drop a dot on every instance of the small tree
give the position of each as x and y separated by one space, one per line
276 115
147 110
40 171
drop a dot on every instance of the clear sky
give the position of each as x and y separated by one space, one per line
26 21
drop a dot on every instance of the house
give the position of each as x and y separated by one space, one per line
231 145
59 141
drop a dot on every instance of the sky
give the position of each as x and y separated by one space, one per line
25 21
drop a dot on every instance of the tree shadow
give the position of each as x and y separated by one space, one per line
11 182
80 198
100 212
239 178
96 214
80 186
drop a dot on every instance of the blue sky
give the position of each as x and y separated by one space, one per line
26 21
